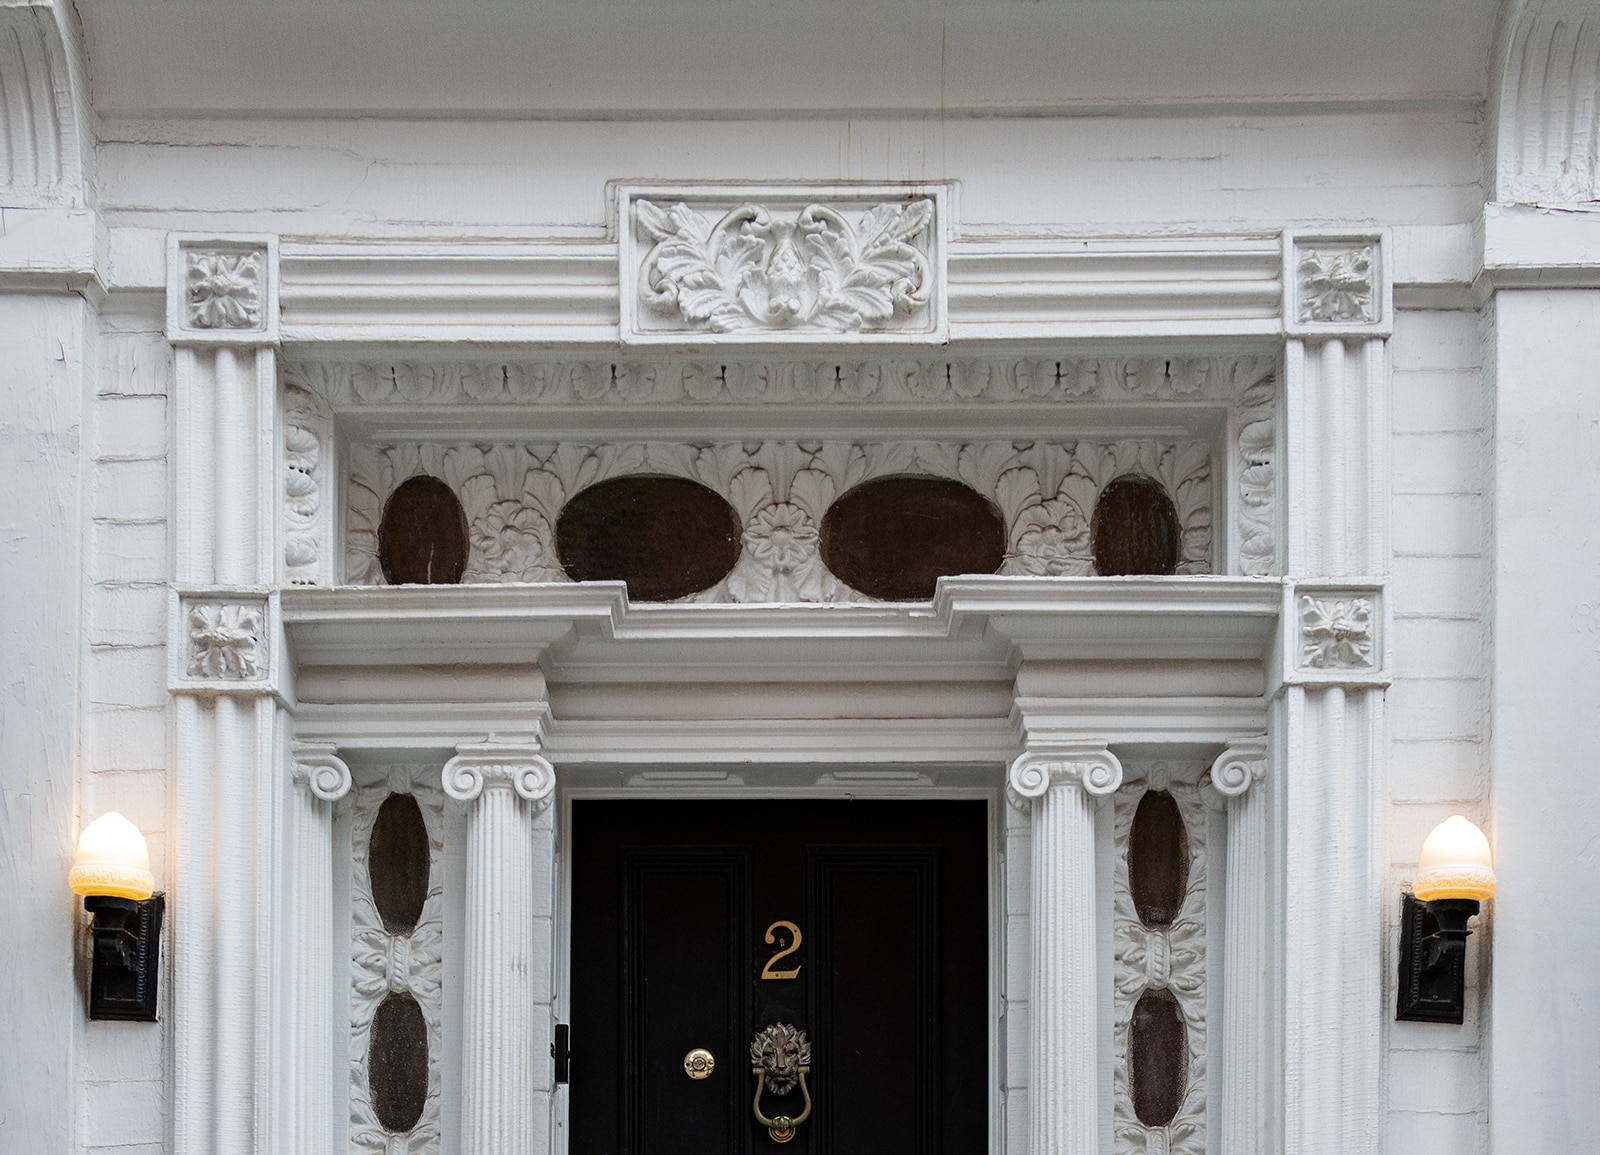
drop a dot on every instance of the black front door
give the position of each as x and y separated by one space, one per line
697 925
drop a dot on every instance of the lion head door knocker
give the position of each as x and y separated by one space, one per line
781 1056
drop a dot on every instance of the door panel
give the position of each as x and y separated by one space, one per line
672 903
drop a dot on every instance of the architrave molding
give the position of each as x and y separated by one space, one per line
998 288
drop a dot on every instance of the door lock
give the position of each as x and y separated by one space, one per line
699 1063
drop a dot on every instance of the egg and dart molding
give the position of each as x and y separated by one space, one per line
111 870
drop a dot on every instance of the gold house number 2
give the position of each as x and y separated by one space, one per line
794 944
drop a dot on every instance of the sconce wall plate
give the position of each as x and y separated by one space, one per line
1433 959
127 956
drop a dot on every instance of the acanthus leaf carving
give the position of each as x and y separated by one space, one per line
757 268
1256 445
1336 284
513 494
383 963
307 431
1170 958
1336 633
223 288
227 640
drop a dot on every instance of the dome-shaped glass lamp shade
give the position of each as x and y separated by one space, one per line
1456 863
112 860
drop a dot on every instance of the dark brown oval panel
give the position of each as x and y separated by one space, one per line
422 539
1158 859
397 863
1134 529
895 537
1158 1058
667 537
397 1063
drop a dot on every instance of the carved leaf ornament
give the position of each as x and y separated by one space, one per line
780 492
224 290
756 269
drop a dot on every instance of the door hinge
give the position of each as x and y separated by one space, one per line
561 1051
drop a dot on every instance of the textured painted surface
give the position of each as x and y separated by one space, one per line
1545 1011
42 342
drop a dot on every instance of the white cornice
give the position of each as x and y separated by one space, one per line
974 627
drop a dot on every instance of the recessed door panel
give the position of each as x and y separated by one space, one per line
854 934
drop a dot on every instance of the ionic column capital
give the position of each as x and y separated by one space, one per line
1090 766
319 769
484 766
1239 767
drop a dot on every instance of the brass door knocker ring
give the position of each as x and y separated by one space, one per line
781 1057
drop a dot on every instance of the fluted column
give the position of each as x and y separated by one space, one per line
504 786
305 993
1244 1099
1062 785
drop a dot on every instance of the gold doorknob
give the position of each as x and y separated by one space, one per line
699 1063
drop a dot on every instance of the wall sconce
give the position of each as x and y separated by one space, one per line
1455 874
112 872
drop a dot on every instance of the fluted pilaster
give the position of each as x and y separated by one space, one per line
1246 886
503 786
1062 787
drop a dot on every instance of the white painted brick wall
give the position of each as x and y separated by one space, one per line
1437 707
125 1104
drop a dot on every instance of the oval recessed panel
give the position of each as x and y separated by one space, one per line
1134 529
667 537
1158 859
397 1063
422 538
397 863
1158 1058
895 537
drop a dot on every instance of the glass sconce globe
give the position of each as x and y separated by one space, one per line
1456 863
112 860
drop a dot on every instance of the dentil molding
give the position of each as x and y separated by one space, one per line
784 264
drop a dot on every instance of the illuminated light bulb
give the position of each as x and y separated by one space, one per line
1456 863
112 860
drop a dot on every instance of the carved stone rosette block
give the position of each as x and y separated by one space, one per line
222 642
1336 285
782 263
1339 633
222 290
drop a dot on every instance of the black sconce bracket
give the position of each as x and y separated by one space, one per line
1433 959
127 956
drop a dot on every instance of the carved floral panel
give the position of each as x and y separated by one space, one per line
1336 283
226 640
390 968
1166 961
513 494
782 263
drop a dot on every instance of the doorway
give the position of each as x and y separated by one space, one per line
698 925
